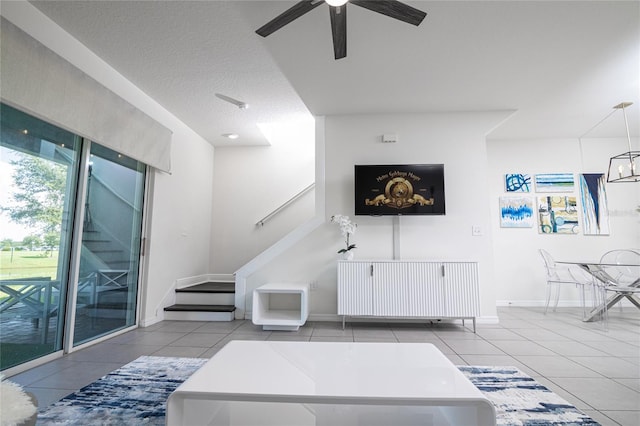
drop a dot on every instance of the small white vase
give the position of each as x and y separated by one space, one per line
347 255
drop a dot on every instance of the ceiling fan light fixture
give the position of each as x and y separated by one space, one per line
338 16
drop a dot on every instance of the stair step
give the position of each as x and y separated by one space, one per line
199 316
210 287
192 298
201 308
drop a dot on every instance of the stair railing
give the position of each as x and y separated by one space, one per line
262 221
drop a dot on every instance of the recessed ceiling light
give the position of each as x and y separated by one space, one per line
231 135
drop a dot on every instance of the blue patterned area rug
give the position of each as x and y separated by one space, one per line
136 394
520 400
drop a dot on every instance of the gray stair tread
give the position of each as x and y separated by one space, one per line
211 287
201 308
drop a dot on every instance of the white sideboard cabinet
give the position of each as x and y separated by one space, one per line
408 289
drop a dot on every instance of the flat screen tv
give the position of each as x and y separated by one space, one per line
399 189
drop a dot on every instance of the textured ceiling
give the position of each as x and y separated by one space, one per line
561 65
181 53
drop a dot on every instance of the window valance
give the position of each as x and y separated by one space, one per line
38 81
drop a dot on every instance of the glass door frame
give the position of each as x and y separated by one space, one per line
76 251
76 245
51 144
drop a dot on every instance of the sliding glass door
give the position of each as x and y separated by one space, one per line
39 169
110 252
70 238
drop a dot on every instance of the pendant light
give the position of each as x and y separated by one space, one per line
624 167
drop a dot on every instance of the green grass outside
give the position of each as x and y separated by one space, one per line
26 264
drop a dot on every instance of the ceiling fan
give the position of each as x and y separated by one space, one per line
338 15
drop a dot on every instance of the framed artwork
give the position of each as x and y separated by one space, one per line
593 198
554 182
557 214
516 212
517 182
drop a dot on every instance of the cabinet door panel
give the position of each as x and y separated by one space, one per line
461 289
355 288
388 283
432 303
407 289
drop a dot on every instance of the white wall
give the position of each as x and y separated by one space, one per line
457 141
519 273
180 227
251 182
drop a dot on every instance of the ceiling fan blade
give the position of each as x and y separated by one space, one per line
287 16
339 30
393 9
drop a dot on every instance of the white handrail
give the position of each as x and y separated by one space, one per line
283 206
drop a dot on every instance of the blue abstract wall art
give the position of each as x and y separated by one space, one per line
554 182
593 197
516 212
517 182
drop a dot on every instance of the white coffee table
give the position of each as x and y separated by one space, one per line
328 383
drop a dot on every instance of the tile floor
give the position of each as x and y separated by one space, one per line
596 370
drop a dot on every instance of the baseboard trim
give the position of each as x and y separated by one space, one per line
488 320
542 303
338 318
147 322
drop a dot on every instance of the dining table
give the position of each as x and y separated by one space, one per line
621 289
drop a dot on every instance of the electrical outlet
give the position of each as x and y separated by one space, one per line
314 285
476 230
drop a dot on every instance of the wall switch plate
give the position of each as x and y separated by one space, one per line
476 231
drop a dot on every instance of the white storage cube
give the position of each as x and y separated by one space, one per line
281 306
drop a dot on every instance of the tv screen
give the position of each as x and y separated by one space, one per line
399 189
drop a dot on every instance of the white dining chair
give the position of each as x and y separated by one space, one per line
620 275
562 274
622 264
